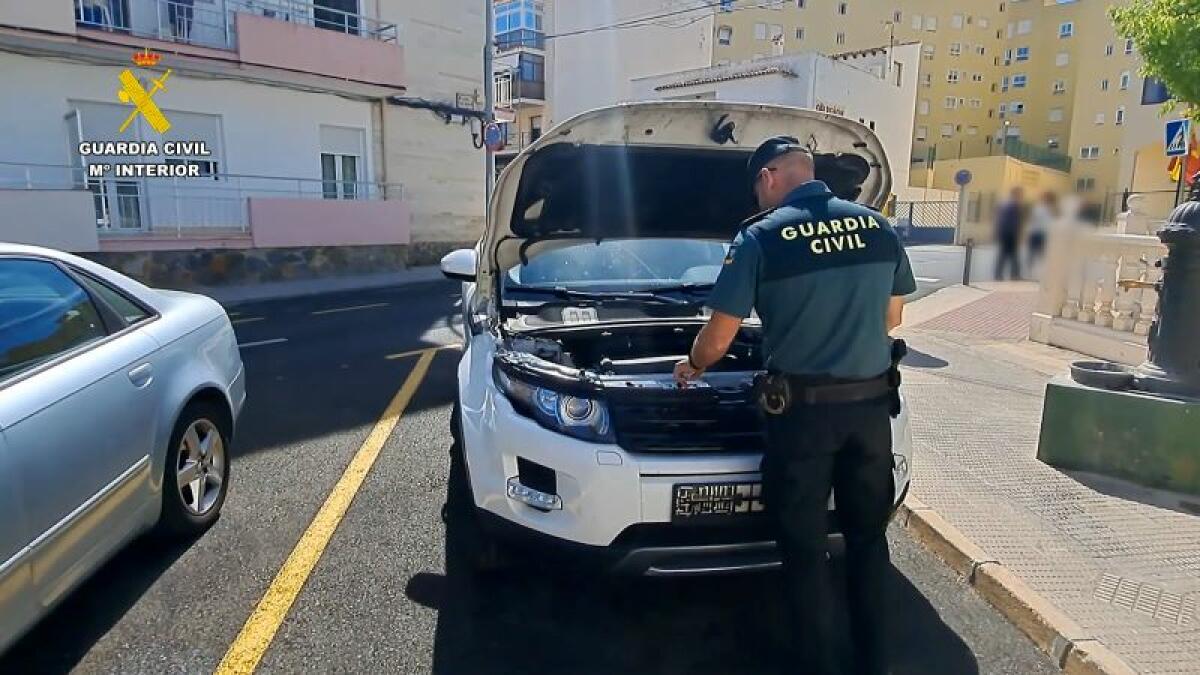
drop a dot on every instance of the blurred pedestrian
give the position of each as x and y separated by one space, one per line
1010 217
1042 217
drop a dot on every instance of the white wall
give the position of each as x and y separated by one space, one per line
594 69
265 130
442 172
61 219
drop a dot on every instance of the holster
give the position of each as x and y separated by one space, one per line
774 392
899 350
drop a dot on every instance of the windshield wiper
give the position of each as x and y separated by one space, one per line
600 296
690 287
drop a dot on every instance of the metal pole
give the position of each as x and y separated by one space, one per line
1183 162
967 262
489 102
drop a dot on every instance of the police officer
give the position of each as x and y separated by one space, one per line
827 278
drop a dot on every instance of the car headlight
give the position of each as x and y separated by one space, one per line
577 416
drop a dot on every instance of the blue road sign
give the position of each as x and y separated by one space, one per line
493 136
962 178
1177 137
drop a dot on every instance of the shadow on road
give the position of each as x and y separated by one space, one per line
539 617
919 359
64 637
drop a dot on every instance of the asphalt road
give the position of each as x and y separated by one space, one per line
382 597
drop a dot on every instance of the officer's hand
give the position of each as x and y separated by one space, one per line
684 373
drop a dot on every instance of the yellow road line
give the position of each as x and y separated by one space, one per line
256 635
352 308
403 355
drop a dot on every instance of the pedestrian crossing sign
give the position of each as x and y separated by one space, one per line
1177 138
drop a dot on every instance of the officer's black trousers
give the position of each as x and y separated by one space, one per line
846 447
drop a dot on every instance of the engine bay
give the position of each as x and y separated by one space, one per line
633 349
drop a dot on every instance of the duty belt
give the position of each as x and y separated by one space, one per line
803 390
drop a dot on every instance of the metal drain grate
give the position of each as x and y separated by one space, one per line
1147 599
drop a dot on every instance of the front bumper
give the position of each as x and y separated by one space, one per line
610 504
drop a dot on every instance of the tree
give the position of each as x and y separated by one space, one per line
1167 35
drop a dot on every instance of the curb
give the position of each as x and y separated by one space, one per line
1055 633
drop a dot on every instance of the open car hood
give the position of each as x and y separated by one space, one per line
661 169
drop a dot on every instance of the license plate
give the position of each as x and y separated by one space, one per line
715 500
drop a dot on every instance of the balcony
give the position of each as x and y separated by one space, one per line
513 93
1018 149
517 39
516 142
298 35
216 211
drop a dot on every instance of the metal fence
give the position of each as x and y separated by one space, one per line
926 222
214 24
209 203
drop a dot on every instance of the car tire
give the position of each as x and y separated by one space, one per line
198 449
467 543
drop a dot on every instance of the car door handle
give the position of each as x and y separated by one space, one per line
142 376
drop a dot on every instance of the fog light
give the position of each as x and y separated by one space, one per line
542 501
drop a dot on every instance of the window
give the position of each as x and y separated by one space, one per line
1108 49
760 31
983 22
927 51
44 313
1085 184
955 49
927 79
1066 29
341 162
725 35
976 103
922 133
841 38
956 21
1119 117
726 5
950 103
1052 142
1104 84
916 22
1062 59
1125 79
843 8
535 128
1016 108
1003 110
800 4
1060 86
947 130
1019 81
129 311
981 50
1089 152
931 23
898 69
800 33
776 33
977 77
952 76
1128 47
1056 114
1022 53
1008 56
896 16
1099 118
1024 27
923 107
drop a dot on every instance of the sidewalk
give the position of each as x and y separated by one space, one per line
1121 561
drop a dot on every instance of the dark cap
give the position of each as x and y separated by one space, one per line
776 146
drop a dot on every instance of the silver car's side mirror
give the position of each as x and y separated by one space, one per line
460 265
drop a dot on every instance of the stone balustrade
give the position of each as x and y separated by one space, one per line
1082 306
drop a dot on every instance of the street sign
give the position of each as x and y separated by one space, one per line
493 136
1177 137
962 178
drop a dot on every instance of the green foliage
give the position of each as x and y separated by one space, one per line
1167 35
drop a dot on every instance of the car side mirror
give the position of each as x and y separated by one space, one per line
460 265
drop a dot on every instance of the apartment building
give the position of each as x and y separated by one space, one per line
316 140
519 68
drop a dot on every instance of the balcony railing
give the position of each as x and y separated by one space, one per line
515 39
509 89
1018 149
209 204
518 141
214 25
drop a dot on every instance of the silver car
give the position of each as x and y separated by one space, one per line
118 404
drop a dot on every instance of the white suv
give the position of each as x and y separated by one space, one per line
588 284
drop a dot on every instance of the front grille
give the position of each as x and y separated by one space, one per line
679 421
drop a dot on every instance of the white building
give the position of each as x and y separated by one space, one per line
873 87
314 114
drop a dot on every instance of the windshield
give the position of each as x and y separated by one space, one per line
622 265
